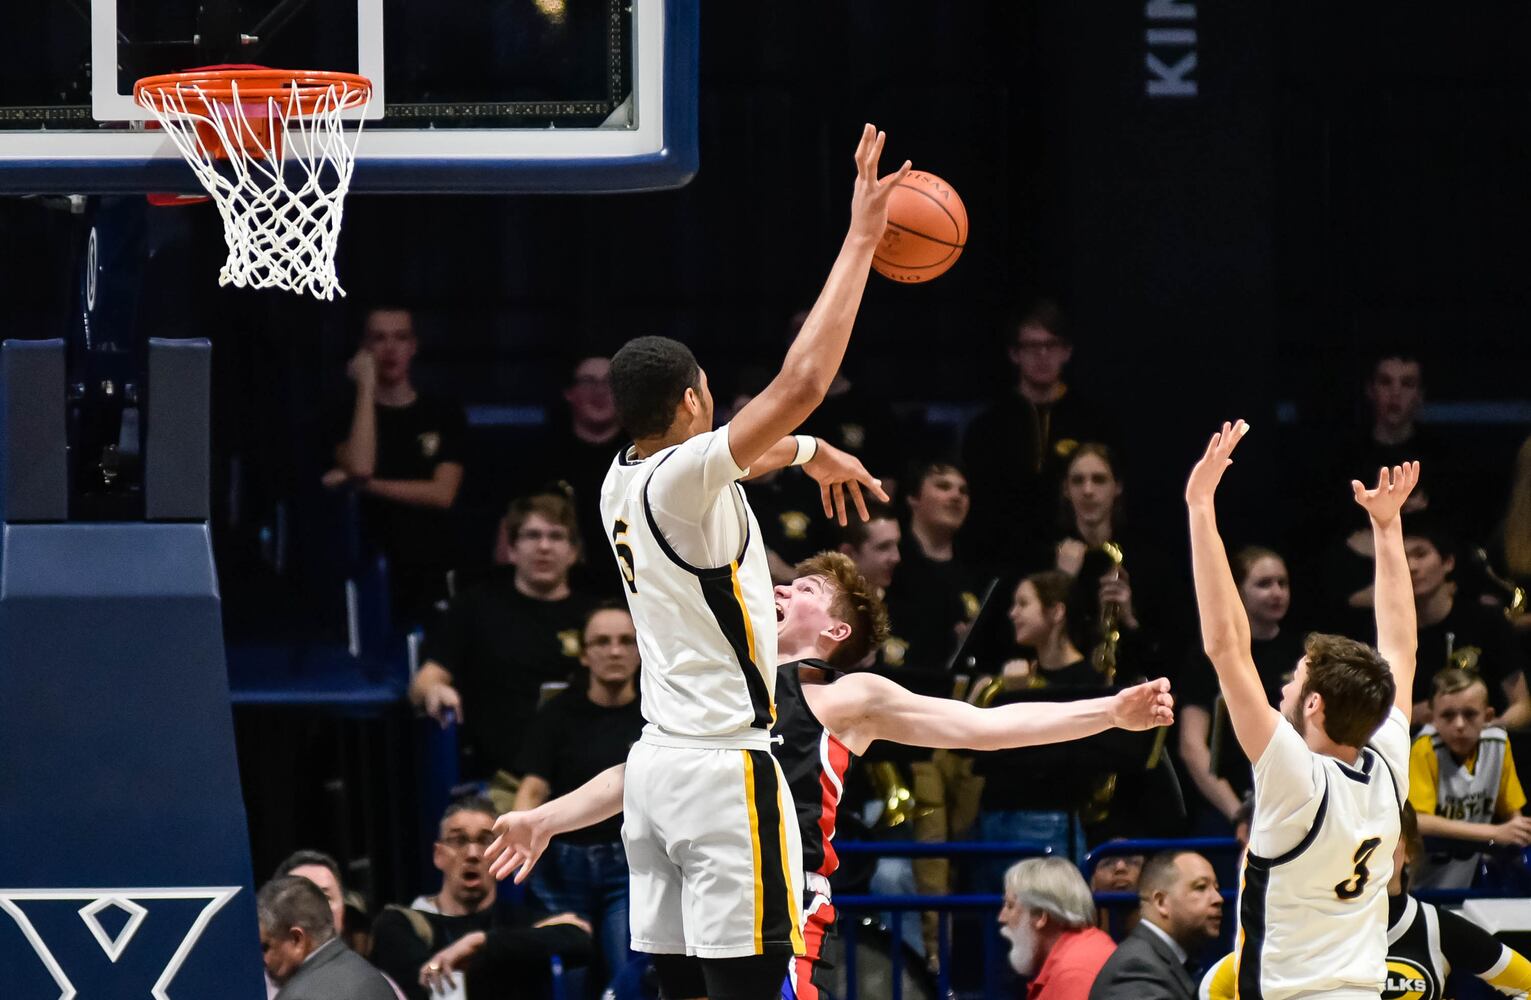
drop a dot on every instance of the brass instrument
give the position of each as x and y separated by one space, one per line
1515 596
898 806
1103 657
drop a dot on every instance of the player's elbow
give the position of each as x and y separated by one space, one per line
804 383
1221 646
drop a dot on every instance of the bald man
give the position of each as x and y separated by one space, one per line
1181 911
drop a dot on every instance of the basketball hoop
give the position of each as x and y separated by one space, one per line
270 146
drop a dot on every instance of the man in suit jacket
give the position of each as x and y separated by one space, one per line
1181 912
302 952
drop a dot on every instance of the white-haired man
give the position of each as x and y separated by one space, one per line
1049 920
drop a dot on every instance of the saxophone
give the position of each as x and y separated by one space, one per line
1103 657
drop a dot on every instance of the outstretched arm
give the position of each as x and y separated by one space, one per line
834 470
1397 629
816 354
523 836
862 707
1224 624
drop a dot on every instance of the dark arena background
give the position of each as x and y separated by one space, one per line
1311 216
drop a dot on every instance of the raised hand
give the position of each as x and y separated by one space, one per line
1202 486
520 844
838 473
1143 706
869 203
1393 488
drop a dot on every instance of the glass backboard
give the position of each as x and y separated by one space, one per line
510 95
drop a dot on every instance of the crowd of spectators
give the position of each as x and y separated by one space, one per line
1012 569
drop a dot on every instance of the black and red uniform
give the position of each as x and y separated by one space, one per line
814 763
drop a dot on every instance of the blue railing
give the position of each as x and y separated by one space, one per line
904 967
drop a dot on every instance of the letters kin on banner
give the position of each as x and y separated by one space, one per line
1171 57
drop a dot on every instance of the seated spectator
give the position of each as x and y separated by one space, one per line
873 545
576 736
1460 633
856 421
1013 451
501 640
1181 913
1426 943
459 930
1117 873
403 449
1266 592
322 870
1035 794
935 593
302 950
1049 920
1124 573
1462 781
580 454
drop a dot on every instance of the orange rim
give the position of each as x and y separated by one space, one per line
257 83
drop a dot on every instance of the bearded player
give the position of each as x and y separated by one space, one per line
1331 767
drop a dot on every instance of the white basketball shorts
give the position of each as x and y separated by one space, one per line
713 848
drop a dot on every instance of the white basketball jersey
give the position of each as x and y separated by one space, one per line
707 634
1313 896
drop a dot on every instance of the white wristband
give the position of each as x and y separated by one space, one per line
807 447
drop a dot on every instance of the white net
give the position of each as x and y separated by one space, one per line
278 168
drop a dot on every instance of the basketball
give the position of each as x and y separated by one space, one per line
927 229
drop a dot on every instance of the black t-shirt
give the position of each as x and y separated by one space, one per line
500 647
1345 572
513 958
1472 637
572 740
1275 660
926 602
411 442
791 515
1161 600
862 424
1361 457
570 459
1013 454
1058 776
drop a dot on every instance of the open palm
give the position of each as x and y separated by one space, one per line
1202 486
869 202
1393 488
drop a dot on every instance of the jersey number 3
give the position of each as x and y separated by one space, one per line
1352 887
624 553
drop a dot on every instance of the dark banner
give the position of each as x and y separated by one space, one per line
1159 122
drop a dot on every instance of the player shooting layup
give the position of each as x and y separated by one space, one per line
713 851
1331 768
826 623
